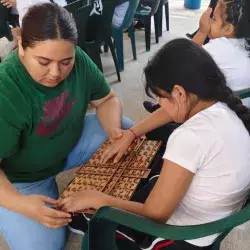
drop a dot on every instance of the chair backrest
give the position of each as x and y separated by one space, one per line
80 12
153 4
105 24
4 26
129 17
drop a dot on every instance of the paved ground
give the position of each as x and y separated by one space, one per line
131 93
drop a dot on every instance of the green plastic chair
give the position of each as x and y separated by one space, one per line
4 26
80 11
145 17
159 15
102 229
242 94
103 36
117 34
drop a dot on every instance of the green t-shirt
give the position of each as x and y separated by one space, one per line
39 126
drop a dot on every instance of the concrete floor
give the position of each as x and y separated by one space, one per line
131 94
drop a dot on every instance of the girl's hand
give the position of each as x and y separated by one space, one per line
206 21
36 208
8 3
119 147
82 200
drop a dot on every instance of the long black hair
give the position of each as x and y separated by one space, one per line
238 14
47 21
182 62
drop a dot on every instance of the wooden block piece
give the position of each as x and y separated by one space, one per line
97 170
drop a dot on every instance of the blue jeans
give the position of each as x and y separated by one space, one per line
22 233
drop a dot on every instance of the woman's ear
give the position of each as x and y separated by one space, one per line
20 46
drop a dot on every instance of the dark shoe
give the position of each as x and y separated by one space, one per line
151 107
139 25
190 36
79 223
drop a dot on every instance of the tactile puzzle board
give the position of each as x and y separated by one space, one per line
119 180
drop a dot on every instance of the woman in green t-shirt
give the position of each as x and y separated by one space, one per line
45 89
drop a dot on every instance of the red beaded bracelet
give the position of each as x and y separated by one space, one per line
132 132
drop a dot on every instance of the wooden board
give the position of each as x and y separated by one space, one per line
119 180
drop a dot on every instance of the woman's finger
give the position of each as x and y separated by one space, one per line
50 226
50 212
56 222
48 200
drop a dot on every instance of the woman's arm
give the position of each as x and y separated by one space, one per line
9 196
167 193
109 112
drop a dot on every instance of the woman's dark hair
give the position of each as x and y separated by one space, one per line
182 62
47 21
238 14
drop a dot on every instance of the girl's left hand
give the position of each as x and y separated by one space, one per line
82 200
206 21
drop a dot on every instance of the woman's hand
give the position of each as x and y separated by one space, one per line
35 207
82 200
206 21
8 3
119 147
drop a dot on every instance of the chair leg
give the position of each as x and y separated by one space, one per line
106 48
119 49
131 31
112 49
94 54
147 23
157 26
167 15
160 21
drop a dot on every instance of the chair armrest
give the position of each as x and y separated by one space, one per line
243 93
109 218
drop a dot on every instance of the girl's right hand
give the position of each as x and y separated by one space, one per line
119 147
36 208
206 21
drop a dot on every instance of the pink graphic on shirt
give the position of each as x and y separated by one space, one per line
54 111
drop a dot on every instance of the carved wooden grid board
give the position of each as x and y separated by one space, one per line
119 180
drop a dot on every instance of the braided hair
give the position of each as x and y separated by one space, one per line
238 14
182 62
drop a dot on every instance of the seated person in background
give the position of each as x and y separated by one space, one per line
229 45
19 8
22 6
203 156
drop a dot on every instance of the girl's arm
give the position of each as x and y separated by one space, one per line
205 27
167 193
